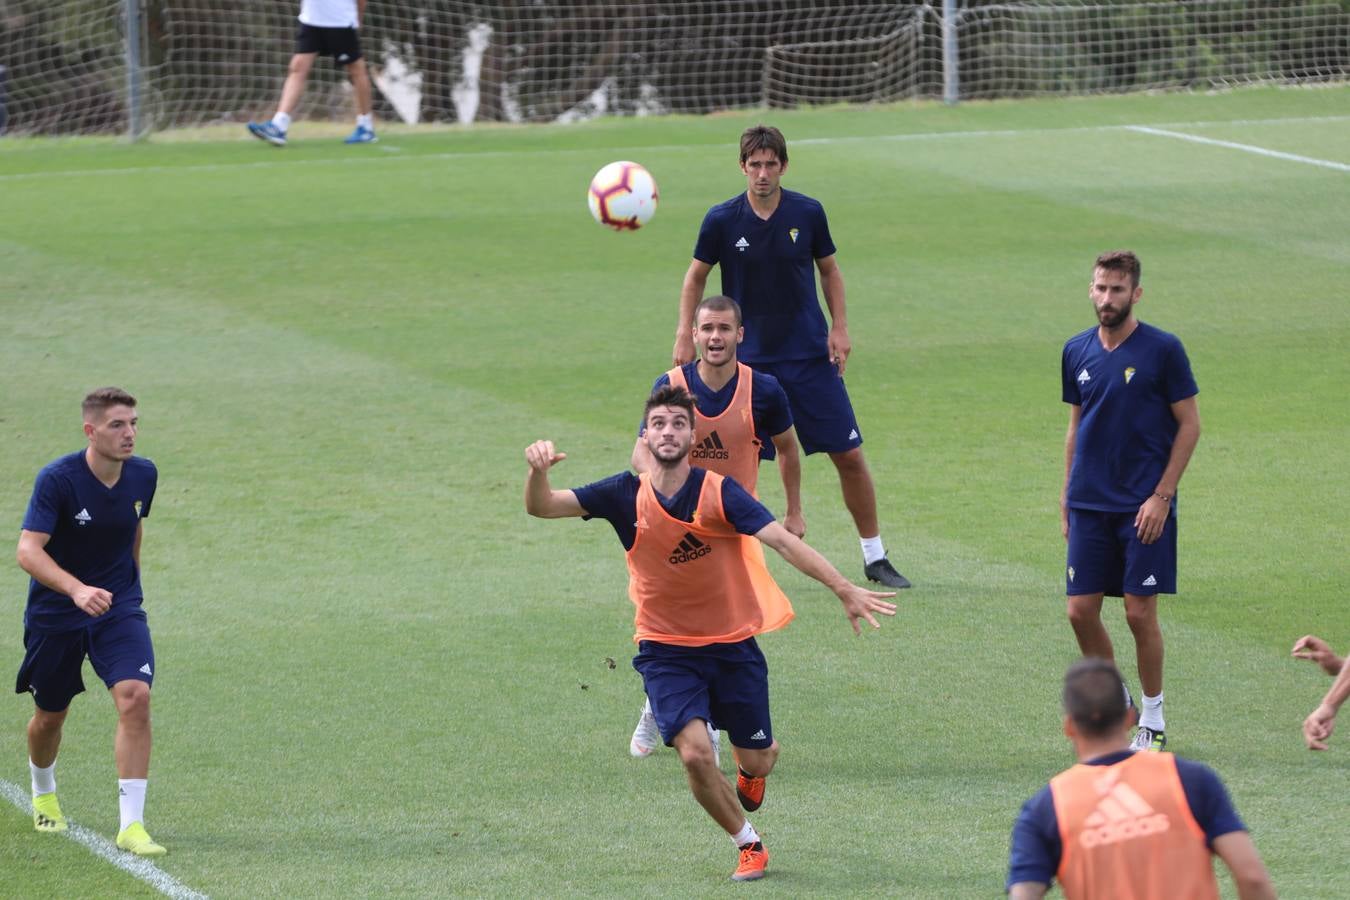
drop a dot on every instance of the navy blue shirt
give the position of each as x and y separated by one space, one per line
93 529
768 267
1036 845
769 407
1127 428
615 499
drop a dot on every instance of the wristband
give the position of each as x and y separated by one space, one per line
1166 497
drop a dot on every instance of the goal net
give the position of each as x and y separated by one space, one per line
63 62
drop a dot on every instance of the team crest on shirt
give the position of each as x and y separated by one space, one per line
137 506
792 233
1129 373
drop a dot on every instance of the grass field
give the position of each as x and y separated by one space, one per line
379 677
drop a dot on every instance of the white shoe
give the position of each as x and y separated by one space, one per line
646 736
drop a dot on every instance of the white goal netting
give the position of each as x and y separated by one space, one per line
63 62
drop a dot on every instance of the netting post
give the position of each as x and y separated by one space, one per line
133 19
951 76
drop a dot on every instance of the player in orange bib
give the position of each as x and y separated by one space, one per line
1127 825
741 417
701 596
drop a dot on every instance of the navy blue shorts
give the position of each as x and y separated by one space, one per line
726 685
1107 557
118 649
821 410
342 44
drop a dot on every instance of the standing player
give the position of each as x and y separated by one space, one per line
769 242
1133 424
701 597
1321 721
1133 826
743 416
327 28
81 543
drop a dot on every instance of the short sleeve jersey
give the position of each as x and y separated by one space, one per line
1037 845
1126 429
329 13
768 405
768 267
93 530
615 500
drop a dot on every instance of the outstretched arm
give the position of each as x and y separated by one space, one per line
859 603
540 498
1321 721
790 469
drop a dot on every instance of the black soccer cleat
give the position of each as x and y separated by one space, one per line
883 572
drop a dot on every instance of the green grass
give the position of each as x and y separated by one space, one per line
378 677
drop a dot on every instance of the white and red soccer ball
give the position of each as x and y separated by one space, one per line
623 196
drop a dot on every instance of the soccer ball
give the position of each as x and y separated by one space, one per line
622 196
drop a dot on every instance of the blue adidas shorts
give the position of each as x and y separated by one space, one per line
1106 556
726 685
821 410
119 649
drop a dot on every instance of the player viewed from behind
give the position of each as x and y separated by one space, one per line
1126 825
1321 721
770 242
327 28
741 416
701 596
81 543
1133 424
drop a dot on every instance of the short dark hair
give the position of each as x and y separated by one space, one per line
1094 697
718 303
1121 261
670 395
97 401
763 137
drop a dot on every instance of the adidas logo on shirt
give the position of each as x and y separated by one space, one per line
689 549
1121 815
742 244
1084 377
83 517
709 448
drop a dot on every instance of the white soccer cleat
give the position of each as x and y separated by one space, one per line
646 736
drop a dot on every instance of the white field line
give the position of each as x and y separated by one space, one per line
100 846
391 153
1247 148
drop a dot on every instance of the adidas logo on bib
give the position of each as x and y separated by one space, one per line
689 549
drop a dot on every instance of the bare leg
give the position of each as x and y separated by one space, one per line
860 496
1085 615
360 78
44 736
296 76
131 746
709 786
1142 615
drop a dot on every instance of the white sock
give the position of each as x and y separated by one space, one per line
1151 716
366 121
747 835
131 800
44 780
282 120
872 550
647 707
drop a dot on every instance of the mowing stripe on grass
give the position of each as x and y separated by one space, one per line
1249 148
98 845
394 155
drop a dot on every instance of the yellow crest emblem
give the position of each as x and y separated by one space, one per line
137 506
1071 573
1129 373
792 233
